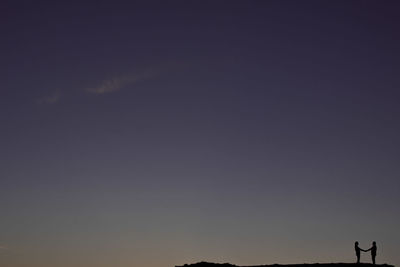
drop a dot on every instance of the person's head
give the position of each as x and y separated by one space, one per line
374 243
356 243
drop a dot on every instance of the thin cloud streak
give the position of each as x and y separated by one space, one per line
117 83
50 99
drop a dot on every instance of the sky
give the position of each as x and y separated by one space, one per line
162 133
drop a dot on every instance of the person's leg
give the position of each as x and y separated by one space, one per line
358 258
373 259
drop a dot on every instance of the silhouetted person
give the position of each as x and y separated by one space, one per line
358 251
373 251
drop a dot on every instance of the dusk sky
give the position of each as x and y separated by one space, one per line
156 134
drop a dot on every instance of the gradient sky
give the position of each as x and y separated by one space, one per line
162 133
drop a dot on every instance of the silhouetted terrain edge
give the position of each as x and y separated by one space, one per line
210 264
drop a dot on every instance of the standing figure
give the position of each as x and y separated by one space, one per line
373 252
357 248
358 251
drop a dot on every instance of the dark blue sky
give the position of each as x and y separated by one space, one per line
251 132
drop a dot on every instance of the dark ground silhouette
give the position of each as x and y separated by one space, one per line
209 264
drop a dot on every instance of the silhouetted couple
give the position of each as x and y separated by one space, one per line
372 249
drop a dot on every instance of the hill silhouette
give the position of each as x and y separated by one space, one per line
210 264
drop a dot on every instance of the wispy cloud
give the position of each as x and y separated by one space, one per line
3 247
117 83
49 99
111 85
